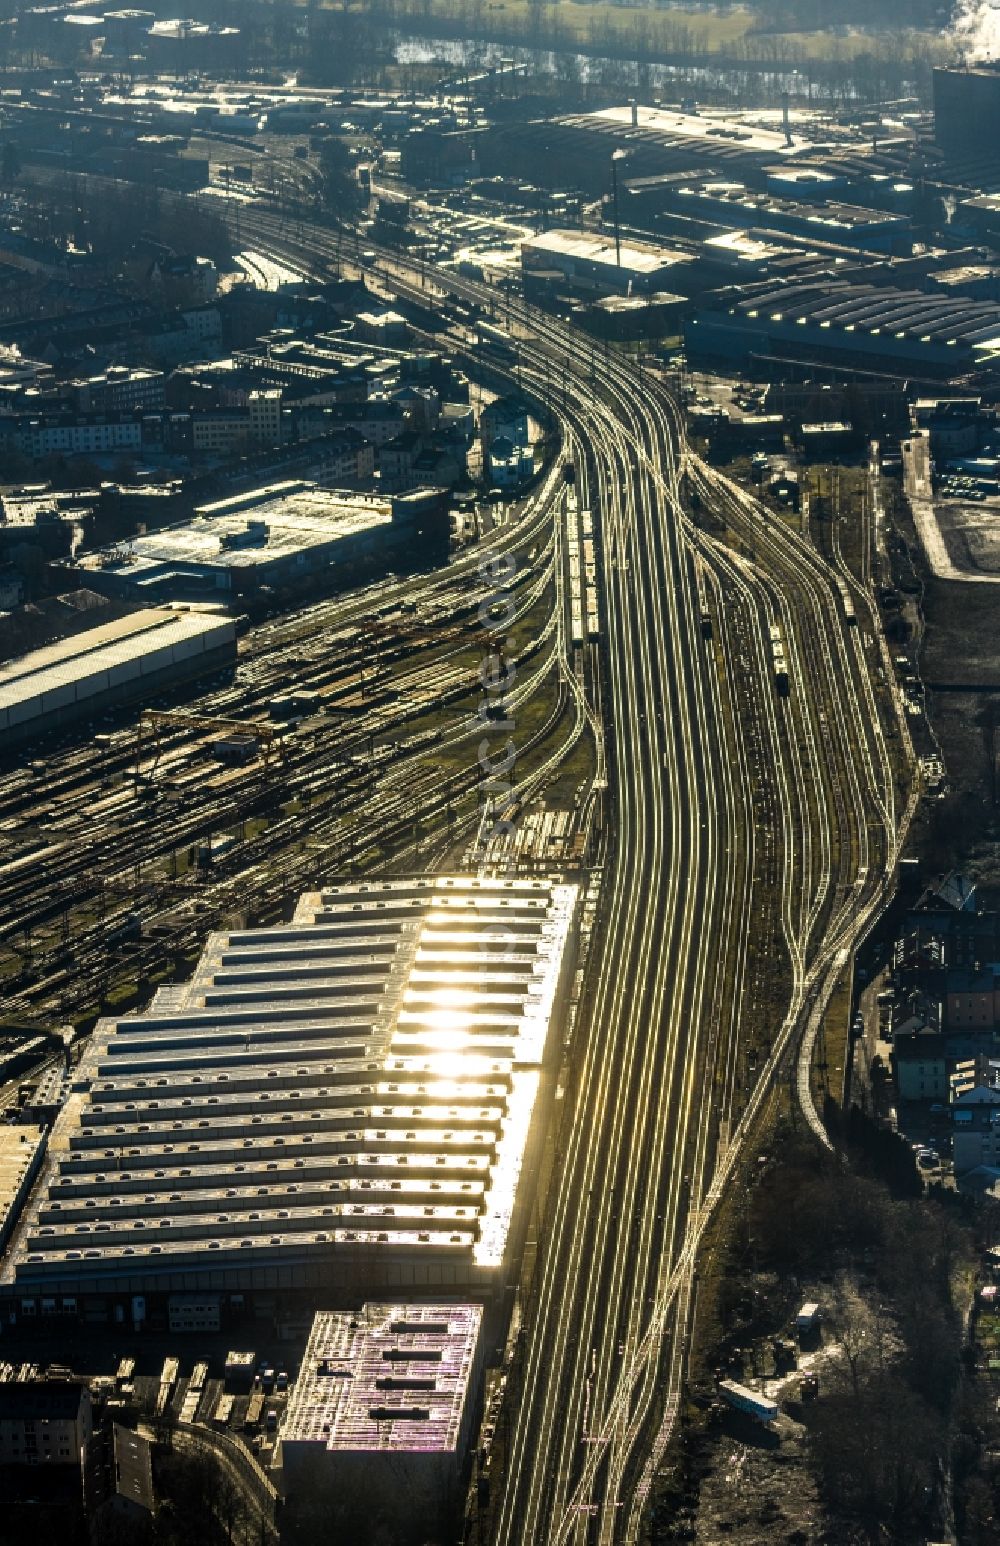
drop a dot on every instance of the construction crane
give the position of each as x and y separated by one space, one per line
159 720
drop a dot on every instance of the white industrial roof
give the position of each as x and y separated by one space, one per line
19 1148
702 126
364 1076
389 1378
99 650
600 249
286 518
739 244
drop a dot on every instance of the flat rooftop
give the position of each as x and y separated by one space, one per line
700 126
829 216
640 259
740 246
387 1378
362 1079
802 176
99 652
248 531
19 1149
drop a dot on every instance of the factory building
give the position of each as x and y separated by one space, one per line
345 1101
386 1395
967 108
85 675
576 150
733 206
592 264
843 325
273 536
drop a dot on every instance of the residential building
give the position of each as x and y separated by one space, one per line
953 424
382 326
379 419
397 460
119 388
346 457
90 435
975 1116
421 407
972 998
199 275
265 416
44 1422
509 466
921 1066
220 431
508 416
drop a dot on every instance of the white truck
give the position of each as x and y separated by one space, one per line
742 1399
808 1318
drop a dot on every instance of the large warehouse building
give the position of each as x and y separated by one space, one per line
338 1103
85 675
593 263
386 1396
276 535
733 206
576 150
841 325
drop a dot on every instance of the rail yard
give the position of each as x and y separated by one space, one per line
734 796
99 885
639 680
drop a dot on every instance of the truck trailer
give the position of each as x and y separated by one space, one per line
759 1407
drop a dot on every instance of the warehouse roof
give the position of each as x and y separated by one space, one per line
19 1150
100 650
589 248
248 530
829 216
363 1077
700 126
743 247
387 1378
802 176
877 310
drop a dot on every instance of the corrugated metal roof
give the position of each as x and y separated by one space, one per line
364 1076
99 650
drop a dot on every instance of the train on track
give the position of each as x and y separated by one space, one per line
779 659
704 612
495 341
847 601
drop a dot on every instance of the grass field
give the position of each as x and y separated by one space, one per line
591 25
581 21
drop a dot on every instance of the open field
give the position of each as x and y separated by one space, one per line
592 25
583 21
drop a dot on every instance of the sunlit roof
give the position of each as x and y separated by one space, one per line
363 1076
